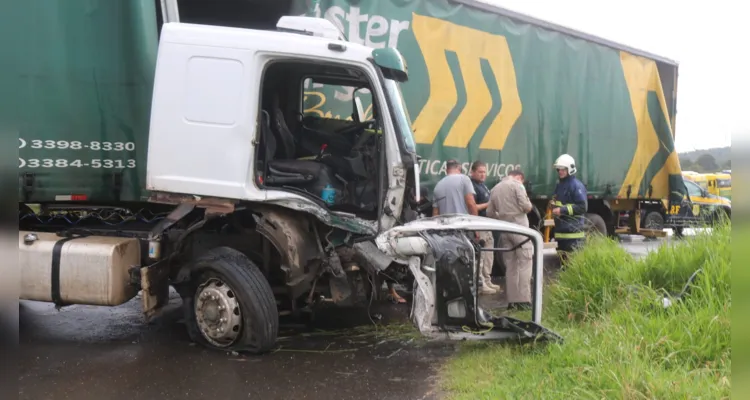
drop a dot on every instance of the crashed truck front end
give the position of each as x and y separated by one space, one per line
443 255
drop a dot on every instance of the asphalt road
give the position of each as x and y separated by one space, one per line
83 352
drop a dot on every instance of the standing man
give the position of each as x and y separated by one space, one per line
509 202
482 199
570 205
454 194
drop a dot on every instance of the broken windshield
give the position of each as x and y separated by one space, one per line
400 113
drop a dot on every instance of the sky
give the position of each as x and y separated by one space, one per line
710 40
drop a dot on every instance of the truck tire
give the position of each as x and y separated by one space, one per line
595 225
653 220
230 305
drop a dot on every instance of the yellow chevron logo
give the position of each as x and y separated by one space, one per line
472 85
654 156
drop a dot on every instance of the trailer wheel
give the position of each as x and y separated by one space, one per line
653 220
595 225
232 306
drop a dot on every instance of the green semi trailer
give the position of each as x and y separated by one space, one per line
485 84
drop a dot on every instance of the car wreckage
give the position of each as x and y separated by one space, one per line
443 255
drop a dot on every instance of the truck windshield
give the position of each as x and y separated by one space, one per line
400 113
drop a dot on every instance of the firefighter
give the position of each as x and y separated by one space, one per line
569 206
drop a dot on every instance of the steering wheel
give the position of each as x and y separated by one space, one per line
364 139
360 126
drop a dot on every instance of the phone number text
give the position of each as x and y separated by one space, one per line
65 163
75 145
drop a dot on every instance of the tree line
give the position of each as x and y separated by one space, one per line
706 161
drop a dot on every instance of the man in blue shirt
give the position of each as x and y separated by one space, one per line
481 192
482 200
570 206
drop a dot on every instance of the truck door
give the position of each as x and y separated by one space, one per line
204 112
696 194
685 212
701 205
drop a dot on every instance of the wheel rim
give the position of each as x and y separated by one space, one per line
652 224
218 313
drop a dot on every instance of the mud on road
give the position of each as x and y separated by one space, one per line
83 352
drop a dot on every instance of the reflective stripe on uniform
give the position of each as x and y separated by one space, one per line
571 235
569 207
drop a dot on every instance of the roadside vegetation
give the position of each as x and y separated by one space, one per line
621 341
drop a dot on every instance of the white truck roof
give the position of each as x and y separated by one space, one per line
241 38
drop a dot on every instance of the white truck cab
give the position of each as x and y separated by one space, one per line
226 120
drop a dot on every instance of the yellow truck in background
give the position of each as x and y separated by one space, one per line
700 179
718 184
722 185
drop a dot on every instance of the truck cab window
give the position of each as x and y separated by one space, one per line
348 103
330 156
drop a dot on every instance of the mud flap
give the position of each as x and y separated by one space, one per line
154 288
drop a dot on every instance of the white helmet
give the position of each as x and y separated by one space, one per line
566 161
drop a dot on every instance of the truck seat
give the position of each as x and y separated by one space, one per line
287 146
284 170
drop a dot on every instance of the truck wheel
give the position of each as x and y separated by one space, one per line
653 220
232 306
595 225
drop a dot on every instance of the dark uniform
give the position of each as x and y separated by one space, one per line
570 196
481 196
487 260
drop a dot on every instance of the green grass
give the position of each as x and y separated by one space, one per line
620 343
